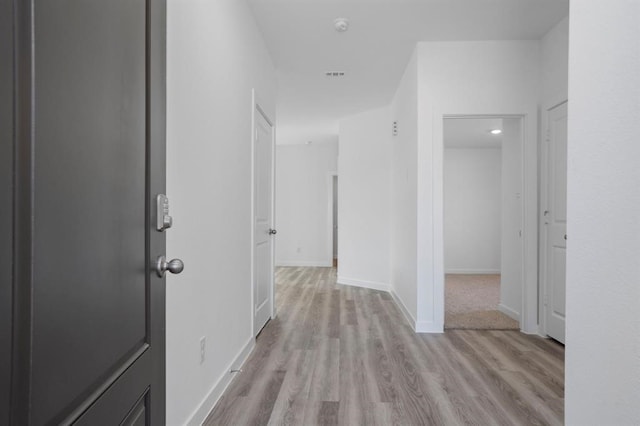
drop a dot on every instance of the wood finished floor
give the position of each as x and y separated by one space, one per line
338 355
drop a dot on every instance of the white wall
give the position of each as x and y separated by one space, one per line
363 199
512 262
302 203
489 77
603 223
215 57
472 210
554 60
404 110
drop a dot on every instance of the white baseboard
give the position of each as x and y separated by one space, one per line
509 312
403 309
417 326
429 327
473 271
307 263
205 407
536 331
363 283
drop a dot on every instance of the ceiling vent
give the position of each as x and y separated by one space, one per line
334 74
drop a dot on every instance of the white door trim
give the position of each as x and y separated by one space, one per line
529 309
330 176
257 108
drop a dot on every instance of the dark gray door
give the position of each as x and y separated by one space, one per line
89 159
6 196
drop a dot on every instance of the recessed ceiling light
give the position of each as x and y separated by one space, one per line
341 24
496 131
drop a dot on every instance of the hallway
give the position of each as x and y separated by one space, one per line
345 355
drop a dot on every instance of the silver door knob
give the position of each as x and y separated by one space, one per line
174 266
272 232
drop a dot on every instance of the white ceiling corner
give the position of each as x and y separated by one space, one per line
382 34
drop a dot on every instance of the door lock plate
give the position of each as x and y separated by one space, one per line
164 221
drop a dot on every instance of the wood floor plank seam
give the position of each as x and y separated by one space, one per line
341 355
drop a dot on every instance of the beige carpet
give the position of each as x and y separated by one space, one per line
471 302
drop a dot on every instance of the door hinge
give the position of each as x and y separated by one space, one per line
545 300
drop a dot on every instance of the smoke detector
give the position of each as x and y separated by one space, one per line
341 25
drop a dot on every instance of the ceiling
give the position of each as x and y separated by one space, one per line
375 51
472 133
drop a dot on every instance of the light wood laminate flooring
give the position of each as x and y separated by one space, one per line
339 355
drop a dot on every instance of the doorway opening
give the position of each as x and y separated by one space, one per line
483 251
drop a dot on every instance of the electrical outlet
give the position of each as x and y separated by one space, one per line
203 348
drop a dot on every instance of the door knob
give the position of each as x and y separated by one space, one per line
272 232
174 266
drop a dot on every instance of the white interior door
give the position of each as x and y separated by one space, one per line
263 270
335 219
555 221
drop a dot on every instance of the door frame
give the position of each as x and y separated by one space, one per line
529 308
21 210
256 108
330 224
544 203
